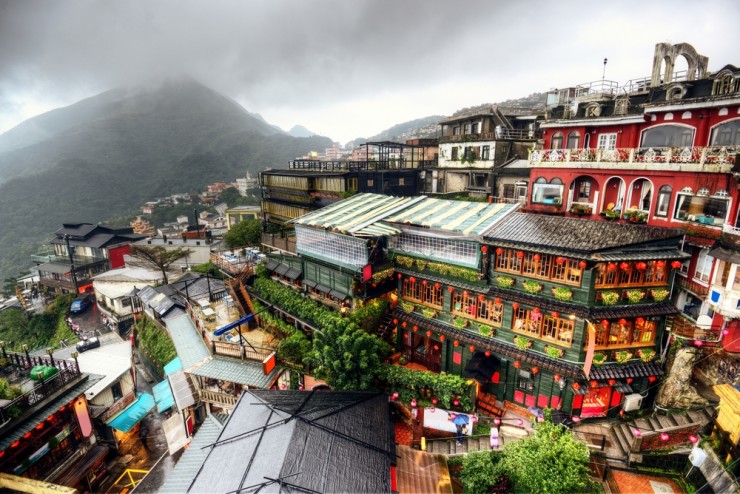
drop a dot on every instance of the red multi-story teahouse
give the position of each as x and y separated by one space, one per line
660 150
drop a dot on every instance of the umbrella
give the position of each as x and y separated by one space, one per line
461 419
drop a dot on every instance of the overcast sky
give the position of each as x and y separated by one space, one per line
343 68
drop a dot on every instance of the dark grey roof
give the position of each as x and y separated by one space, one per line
200 287
632 369
574 234
314 441
245 372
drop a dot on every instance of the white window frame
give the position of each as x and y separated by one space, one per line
703 269
607 141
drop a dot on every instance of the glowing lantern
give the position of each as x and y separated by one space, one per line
605 323
660 264
594 384
450 289
412 279
442 338
497 301
517 364
520 254
536 310
582 264
555 314
465 293
676 264
300 387
637 432
624 266
456 402
560 261
437 285
395 321
472 348
641 266
424 282
456 343
484 249
640 320
652 378
535 370
416 328
435 401
487 354
481 297
629 380
623 322
536 257
15 444
429 333
612 382
413 403
395 395
27 435
576 386
556 377
400 276
664 436
611 266
403 324
515 306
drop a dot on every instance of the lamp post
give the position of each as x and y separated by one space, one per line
74 355
50 352
28 357
71 262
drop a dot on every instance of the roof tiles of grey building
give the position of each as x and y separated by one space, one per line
188 343
302 441
574 234
244 372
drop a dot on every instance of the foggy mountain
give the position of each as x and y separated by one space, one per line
300 131
106 155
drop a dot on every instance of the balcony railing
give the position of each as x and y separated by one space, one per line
223 400
714 159
499 135
79 261
277 242
692 286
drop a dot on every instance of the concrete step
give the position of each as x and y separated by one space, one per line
643 424
619 438
666 421
654 424
698 416
680 418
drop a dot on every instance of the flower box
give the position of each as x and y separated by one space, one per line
609 298
646 354
531 286
622 356
505 281
459 322
659 294
485 330
562 293
429 313
635 296
554 352
408 306
522 343
599 358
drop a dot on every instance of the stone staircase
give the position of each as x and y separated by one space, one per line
450 447
386 326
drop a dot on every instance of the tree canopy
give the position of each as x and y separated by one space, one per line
157 257
247 232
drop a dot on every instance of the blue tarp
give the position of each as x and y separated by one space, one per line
127 419
163 396
173 365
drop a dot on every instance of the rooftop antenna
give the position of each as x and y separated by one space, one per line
603 72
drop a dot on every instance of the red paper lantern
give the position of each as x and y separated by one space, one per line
465 293
412 279
400 276
575 386
664 436
499 251
395 322
416 328
660 264
472 348
395 395
640 320
437 285
413 403
450 289
435 401
594 384
442 338
456 402
611 266
605 323
517 364
520 254
484 249
515 306
487 354
556 377
652 378
624 266
676 264
424 282
582 264
629 380
612 382
623 322
560 260
535 370
555 314
403 324
536 310
641 266
536 257
429 333
497 301
455 343
481 297
698 342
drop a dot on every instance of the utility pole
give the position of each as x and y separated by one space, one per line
603 72
72 263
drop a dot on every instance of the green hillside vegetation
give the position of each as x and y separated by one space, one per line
133 146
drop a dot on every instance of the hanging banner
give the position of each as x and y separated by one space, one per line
590 349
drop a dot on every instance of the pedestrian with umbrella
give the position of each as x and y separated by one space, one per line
461 422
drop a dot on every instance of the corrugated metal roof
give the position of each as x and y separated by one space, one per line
178 480
188 343
419 471
244 372
470 218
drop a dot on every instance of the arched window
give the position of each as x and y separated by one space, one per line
557 141
668 136
574 140
663 204
726 134
548 193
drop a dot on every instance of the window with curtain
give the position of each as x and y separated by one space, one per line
726 134
703 266
574 140
664 201
668 136
557 141
547 193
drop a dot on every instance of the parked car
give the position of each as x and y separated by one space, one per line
81 304
87 344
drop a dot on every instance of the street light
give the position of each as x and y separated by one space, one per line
74 355
71 262
50 352
28 357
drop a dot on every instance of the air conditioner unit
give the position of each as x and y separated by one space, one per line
632 402
697 456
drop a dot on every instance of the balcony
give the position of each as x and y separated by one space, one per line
697 159
277 242
79 261
499 135
725 302
692 286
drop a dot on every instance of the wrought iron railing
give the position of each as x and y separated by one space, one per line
715 158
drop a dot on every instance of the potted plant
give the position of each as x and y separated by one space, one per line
562 293
580 209
610 214
609 298
459 322
599 358
402 360
635 296
553 352
646 354
659 294
505 281
429 313
408 306
522 343
531 286
485 330
622 356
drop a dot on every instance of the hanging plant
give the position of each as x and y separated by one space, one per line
505 281
554 352
562 293
429 313
622 356
635 296
485 330
382 275
531 286
599 358
609 298
522 343
646 354
459 322
408 306
659 294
